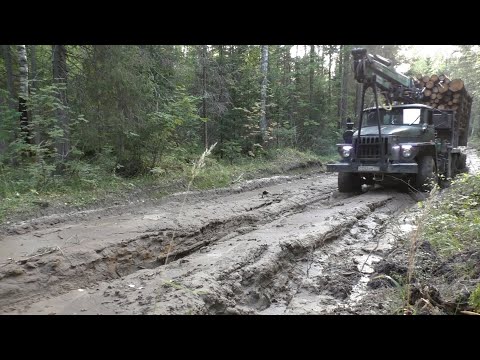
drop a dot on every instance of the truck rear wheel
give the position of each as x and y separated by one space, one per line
349 182
426 176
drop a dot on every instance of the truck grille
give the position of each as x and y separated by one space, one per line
369 147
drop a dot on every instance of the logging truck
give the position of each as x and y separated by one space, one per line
417 138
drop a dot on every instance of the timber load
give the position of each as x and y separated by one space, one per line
444 94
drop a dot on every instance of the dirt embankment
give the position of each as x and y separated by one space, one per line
282 245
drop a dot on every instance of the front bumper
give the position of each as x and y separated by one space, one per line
398 168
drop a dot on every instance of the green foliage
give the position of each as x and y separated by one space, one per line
36 153
474 299
8 123
150 110
231 150
453 221
177 122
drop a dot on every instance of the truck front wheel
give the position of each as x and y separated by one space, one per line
426 173
349 182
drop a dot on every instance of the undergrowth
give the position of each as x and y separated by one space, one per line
449 222
453 221
86 184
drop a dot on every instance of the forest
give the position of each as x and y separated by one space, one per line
72 116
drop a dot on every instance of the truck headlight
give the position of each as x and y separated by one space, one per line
345 151
407 151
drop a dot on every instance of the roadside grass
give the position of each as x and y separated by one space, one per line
20 196
450 222
474 299
218 173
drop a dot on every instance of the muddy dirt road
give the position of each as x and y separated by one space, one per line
282 245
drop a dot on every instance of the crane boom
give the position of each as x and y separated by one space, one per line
369 69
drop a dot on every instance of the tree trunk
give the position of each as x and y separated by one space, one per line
322 61
23 92
33 65
297 117
330 72
311 78
263 92
7 55
33 74
339 71
204 94
221 64
287 79
59 53
344 86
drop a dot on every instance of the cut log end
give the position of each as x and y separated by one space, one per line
456 85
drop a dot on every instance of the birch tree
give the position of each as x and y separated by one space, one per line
23 92
263 92
59 55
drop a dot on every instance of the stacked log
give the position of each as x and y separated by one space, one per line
439 91
444 94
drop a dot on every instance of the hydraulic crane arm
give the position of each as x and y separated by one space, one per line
376 70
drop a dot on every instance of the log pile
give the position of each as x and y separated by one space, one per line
444 94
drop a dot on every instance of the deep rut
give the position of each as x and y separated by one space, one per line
298 250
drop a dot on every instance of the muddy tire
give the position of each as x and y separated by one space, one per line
349 182
426 173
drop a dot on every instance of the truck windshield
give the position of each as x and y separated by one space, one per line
411 116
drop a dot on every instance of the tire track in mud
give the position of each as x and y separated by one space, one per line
315 274
277 276
289 261
61 270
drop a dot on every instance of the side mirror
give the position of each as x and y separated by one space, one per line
424 127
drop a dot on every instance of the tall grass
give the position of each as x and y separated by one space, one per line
196 170
450 222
